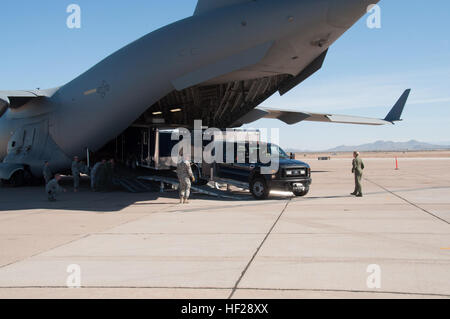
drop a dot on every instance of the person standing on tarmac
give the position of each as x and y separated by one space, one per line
95 174
47 172
102 176
185 175
357 169
109 170
76 167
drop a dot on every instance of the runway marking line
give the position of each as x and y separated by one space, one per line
236 285
407 201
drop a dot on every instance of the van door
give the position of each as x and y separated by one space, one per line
242 168
235 170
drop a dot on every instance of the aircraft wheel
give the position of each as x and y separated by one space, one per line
18 179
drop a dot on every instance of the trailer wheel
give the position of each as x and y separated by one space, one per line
259 188
198 180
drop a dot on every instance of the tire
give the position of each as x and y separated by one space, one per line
198 180
259 188
301 193
18 179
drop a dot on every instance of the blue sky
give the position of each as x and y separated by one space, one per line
365 72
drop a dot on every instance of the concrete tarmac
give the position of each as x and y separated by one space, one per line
320 246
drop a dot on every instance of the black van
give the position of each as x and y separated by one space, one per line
291 175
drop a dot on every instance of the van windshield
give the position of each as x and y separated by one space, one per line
276 151
252 151
268 150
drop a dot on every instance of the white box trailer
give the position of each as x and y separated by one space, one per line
150 147
240 135
145 146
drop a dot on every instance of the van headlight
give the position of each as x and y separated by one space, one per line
296 172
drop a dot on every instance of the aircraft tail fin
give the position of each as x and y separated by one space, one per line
396 111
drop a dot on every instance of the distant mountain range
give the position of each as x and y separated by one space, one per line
412 145
380 146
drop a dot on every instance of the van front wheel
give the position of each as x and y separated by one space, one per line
301 193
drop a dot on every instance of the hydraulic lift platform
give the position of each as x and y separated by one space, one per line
199 189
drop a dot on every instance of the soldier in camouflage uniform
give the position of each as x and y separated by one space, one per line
110 170
357 169
76 168
53 188
98 176
185 175
47 172
102 176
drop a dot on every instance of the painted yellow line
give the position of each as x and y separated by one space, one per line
446 248
90 92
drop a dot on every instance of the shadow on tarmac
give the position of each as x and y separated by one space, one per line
31 198
113 200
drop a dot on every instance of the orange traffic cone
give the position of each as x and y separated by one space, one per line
396 164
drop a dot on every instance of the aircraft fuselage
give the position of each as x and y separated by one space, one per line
98 105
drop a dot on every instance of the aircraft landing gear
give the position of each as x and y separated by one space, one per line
18 179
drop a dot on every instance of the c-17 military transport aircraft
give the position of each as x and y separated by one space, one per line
217 66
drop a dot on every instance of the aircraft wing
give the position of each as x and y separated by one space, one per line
15 99
293 117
